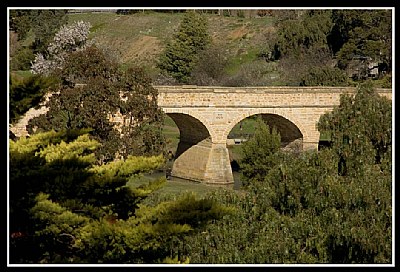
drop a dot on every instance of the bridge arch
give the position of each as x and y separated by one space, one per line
197 157
289 126
192 131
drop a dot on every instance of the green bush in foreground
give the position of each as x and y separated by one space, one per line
66 209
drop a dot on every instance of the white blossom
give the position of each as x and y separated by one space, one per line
69 38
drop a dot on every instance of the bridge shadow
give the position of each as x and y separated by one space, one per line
192 132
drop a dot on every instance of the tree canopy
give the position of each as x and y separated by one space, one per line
94 89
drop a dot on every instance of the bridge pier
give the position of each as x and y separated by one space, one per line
205 162
219 170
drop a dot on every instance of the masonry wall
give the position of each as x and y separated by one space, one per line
237 97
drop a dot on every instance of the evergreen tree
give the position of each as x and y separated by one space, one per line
21 22
44 23
257 153
361 130
66 209
303 33
27 93
181 54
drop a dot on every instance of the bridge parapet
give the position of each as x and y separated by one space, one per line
254 97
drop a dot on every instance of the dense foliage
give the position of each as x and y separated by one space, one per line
362 35
324 76
356 42
361 128
309 32
304 209
66 209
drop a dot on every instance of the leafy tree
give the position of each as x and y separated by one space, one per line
93 89
66 209
306 32
181 53
209 69
21 22
301 44
77 107
257 159
22 59
139 106
43 23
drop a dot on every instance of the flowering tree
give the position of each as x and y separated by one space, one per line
69 38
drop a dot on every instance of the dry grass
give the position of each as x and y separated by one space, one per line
141 37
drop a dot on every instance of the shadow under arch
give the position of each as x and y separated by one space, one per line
192 132
287 129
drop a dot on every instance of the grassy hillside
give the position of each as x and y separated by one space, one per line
139 38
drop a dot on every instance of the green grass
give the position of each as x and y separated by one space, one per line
21 74
236 62
248 127
171 133
127 27
174 186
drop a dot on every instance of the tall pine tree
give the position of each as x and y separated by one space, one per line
181 53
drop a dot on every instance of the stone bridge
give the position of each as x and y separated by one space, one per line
205 116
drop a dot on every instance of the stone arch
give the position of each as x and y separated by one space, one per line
197 157
289 127
192 131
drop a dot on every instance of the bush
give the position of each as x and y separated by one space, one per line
257 153
324 76
209 70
